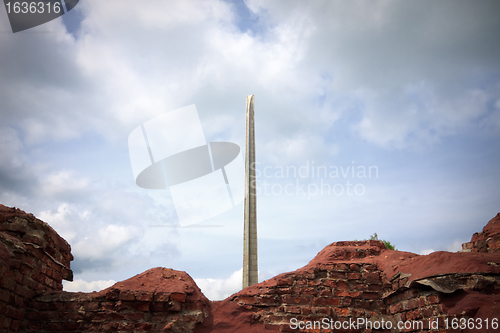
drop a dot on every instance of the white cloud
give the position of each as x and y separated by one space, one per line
63 181
455 246
218 289
10 146
427 251
84 286
102 244
60 221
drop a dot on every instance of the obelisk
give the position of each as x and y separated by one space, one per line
250 264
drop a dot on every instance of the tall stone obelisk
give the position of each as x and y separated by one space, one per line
250 264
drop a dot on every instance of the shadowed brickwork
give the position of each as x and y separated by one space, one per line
344 282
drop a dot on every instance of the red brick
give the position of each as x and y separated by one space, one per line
305 310
271 327
157 306
370 267
302 282
412 315
5 322
116 316
178 297
321 311
353 276
296 300
427 312
374 288
359 286
19 302
161 297
340 312
412 303
286 328
143 327
369 295
372 277
123 305
282 291
109 326
107 305
25 269
354 267
410 293
326 301
4 295
127 295
192 318
292 309
113 294
98 316
141 306
346 301
268 300
320 274
326 292
345 293
329 283
284 282
168 327
246 299
336 275
15 324
91 306
433 299
314 283
133 316
173 306
340 267
15 313
342 285
144 296
126 326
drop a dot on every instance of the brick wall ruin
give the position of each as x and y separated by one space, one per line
344 283
487 240
34 260
158 300
351 281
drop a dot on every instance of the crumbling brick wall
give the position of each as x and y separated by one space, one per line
346 281
158 300
487 240
351 281
34 260
336 291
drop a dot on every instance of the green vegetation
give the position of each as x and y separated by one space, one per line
387 244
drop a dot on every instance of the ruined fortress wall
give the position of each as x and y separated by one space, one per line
355 288
487 240
345 282
158 300
34 260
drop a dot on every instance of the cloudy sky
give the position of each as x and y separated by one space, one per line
388 111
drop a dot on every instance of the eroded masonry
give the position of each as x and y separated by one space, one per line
346 281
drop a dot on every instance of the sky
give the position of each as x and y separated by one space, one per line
371 117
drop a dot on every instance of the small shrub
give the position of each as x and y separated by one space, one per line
387 244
